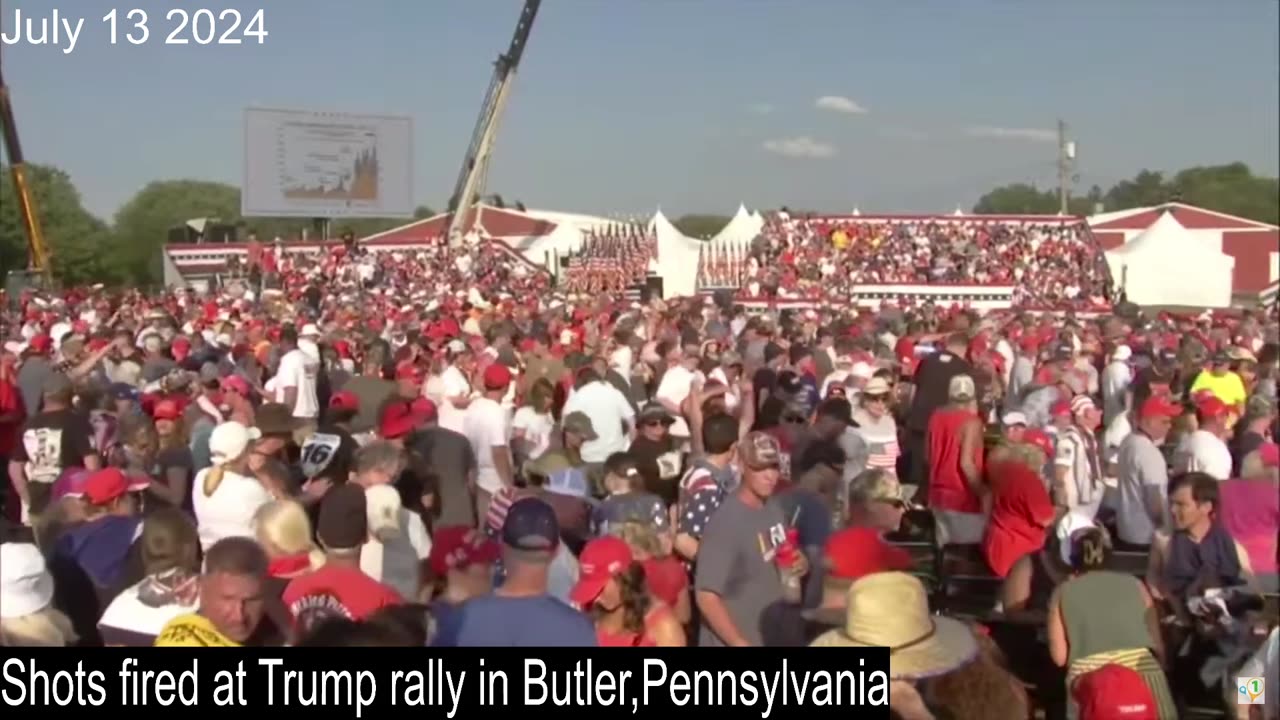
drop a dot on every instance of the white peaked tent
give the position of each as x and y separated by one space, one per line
677 263
742 227
1167 265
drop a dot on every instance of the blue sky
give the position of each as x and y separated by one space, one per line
691 105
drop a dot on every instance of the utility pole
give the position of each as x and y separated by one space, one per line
1066 167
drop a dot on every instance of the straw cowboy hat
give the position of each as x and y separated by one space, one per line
890 609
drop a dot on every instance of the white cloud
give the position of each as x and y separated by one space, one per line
1003 133
800 147
840 104
761 108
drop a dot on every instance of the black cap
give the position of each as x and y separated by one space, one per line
531 525
344 520
837 408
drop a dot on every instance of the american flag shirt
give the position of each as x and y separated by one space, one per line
881 438
702 489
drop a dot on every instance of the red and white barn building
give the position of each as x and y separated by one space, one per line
1254 245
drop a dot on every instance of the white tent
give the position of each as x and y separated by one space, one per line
742 227
1167 265
677 262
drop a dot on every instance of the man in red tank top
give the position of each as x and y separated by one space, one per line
953 440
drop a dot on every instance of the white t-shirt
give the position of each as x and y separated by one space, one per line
535 427
453 384
674 388
1115 384
1202 451
485 425
129 614
298 370
609 412
228 512
1116 432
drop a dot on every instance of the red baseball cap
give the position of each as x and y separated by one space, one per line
166 410
1040 439
1211 407
860 551
344 400
1062 408
458 547
409 371
105 486
236 384
40 343
1113 692
397 421
1159 406
600 561
497 376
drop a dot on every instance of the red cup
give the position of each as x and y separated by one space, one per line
788 551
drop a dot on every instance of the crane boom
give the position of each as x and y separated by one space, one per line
38 254
475 166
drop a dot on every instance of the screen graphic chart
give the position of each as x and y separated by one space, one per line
302 163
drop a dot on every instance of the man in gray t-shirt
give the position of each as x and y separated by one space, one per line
737 574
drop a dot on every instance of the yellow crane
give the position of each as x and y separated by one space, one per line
37 251
475 167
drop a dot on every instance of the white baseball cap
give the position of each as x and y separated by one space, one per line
230 440
309 330
1014 418
26 586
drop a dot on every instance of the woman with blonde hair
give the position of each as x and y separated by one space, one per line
227 495
27 615
1021 509
283 529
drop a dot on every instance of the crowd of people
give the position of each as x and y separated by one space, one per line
1051 265
435 448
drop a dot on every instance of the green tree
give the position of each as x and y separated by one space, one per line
142 224
1232 189
701 226
81 246
1018 199
1145 189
